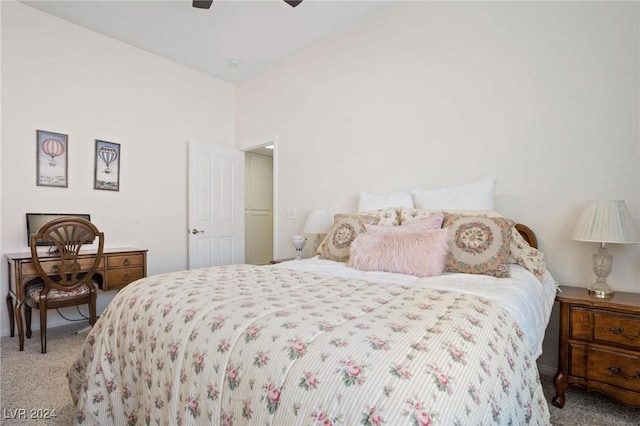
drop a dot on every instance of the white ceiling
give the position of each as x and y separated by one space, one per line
257 33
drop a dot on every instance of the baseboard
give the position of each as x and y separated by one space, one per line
547 370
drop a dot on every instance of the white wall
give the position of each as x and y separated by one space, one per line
543 95
59 77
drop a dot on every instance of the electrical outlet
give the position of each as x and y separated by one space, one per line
291 214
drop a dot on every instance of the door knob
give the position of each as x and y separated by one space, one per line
194 231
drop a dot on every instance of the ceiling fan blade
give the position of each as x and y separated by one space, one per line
293 3
202 4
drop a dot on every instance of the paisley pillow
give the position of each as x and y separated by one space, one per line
434 221
409 215
388 217
526 256
345 229
478 244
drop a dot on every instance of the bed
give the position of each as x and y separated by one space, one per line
318 341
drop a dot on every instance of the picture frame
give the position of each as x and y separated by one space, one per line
107 166
52 155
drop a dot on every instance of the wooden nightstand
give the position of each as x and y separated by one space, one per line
599 345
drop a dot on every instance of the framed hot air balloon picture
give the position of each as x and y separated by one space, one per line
51 159
107 166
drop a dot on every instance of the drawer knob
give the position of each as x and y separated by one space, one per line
126 278
618 371
620 331
126 262
55 268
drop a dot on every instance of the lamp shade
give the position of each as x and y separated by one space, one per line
606 222
318 222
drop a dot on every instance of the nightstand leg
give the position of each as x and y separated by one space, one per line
560 383
560 380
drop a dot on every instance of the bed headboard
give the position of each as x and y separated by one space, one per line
528 235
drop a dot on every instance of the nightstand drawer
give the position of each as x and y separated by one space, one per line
614 368
578 360
580 323
617 328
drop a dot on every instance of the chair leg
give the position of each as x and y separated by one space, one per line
19 313
93 317
43 325
27 320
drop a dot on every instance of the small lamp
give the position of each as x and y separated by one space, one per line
319 222
298 242
604 222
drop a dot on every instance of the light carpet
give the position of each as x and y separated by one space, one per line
32 383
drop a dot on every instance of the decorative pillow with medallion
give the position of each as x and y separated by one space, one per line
386 217
478 244
345 229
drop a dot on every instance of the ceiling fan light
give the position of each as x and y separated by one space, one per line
202 4
293 3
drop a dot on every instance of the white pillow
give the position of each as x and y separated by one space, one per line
477 195
377 201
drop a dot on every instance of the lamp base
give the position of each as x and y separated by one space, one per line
601 292
602 263
298 242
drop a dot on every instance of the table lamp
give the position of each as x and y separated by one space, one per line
604 222
319 222
298 243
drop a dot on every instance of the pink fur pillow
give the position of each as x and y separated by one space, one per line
422 254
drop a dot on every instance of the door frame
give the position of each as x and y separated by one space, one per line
268 141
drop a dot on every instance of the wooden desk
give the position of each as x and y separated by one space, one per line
118 268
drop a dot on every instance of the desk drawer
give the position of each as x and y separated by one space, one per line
125 260
615 368
51 266
118 278
617 328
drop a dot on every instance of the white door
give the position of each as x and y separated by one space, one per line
216 205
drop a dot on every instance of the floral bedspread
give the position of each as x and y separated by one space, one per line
260 345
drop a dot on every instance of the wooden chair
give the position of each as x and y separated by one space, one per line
63 280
